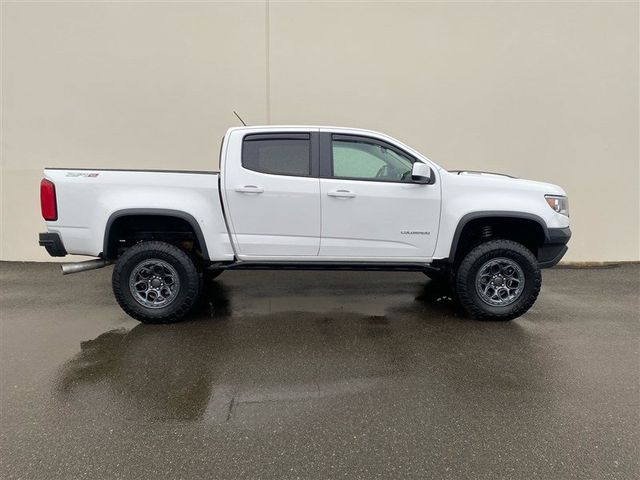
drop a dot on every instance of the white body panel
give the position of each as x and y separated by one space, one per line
385 221
294 218
270 216
388 220
485 193
86 203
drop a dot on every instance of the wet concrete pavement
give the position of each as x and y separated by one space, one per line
319 375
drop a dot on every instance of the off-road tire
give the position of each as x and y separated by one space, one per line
186 297
465 283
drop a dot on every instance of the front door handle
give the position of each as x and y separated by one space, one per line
341 193
249 189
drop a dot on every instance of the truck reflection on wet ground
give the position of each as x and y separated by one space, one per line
319 375
216 364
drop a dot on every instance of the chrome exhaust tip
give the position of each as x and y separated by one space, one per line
69 268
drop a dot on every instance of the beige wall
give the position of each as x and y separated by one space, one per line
539 90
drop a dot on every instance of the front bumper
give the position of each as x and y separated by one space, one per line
53 244
554 247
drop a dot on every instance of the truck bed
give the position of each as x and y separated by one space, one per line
87 200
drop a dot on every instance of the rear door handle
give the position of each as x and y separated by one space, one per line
341 193
249 189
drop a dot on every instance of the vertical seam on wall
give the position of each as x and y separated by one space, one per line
2 143
267 61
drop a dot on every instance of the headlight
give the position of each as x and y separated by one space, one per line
559 203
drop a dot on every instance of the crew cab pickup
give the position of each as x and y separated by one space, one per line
307 198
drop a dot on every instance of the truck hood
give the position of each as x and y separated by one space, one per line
492 179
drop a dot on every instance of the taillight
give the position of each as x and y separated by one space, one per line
48 200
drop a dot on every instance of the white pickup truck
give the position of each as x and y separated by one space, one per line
307 198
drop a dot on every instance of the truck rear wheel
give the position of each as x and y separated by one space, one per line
498 280
156 282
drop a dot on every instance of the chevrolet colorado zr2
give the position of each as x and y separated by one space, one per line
308 198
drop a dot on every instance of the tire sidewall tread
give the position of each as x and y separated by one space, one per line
466 278
190 282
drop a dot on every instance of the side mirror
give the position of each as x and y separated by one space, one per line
420 173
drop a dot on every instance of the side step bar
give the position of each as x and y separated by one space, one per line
358 266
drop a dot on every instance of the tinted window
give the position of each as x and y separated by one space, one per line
369 161
278 154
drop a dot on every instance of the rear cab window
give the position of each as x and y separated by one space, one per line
278 153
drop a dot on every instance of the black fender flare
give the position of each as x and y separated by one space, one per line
493 214
164 212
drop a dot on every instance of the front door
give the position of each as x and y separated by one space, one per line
273 195
370 208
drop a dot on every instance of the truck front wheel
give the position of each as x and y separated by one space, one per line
156 282
498 280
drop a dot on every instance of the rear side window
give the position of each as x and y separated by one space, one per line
278 154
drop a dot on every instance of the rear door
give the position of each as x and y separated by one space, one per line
370 208
272 193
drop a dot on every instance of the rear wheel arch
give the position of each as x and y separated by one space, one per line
121 217
531 230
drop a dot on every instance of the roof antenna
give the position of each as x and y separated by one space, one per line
239 118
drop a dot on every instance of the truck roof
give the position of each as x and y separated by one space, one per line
334 129
307 127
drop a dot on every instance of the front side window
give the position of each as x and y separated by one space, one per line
278 154
362 160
